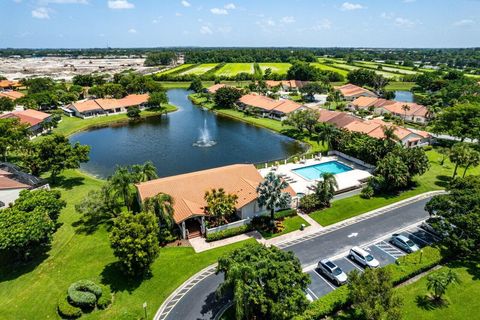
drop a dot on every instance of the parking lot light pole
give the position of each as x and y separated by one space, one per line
421 255
145 309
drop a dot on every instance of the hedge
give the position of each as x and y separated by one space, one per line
106 299
213 236
285 213
84 293
66 310
406 268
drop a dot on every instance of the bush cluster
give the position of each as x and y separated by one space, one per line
106 299
66 310
84 293
285 213
214 236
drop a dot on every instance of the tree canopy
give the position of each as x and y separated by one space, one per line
225 97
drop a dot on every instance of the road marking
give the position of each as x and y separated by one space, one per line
325 280
426 242
354 234
383 246
313 294
353 264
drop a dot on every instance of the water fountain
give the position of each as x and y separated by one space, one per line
204 140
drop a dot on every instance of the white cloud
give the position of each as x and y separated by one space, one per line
288 19
120 4
185 3
230 6
464 22
206 30
404 22
41 13
323 24
132 30
270 22
178 14
219 11
348 6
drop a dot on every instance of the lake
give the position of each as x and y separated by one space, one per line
170 142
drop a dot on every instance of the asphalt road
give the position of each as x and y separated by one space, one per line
199 301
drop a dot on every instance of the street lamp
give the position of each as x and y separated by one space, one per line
145 309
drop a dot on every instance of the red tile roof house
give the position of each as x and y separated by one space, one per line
13 181
269 108
414 113
374 128
32 118
9 85
213 89
13 95
286 85
99 107
350 92
188 191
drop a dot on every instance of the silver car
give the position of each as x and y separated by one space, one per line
332 271
404 243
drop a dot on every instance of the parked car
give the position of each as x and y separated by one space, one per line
404 243
363 257
332 271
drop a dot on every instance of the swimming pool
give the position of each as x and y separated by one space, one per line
316 171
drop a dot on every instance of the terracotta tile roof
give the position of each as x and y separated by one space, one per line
292 84
14 95
342 120
9 84
414 109
7 183
366 102
326 115
351 90
215 87
133 100
29 117
268 104
188 189
108 104
87 105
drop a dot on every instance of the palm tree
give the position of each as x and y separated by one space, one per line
405 108
145 172
459 154
162 206
121 182
326 133
334 96
445 152
271 195
439 282
472 160
325 189
220 204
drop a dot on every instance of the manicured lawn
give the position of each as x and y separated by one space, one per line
280 68
181 67
329 67
400 86
232 69
435 179
71 125
200 69
290 224
30 291
462 299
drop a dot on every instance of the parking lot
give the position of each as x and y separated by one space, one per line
382 250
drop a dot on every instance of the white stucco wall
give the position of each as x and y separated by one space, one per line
9 196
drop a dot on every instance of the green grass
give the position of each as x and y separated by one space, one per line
181 67
30 291
280 68
290 224
232 69
200 69
400 86
329 67
435 179
71 125
461 299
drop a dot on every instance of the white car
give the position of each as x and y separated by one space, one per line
363 257
332 271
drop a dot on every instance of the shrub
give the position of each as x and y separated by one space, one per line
213 236
427 148
309 203
367 192
66 310
285 213
84 293
326 305
106 299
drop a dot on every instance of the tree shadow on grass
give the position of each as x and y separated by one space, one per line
443 181
67 183
113 276
427 303
473 268
10 268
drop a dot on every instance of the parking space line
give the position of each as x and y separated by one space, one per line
326 281
353 264
391 255
313 294
437 238
426 242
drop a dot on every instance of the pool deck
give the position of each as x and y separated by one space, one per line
345 180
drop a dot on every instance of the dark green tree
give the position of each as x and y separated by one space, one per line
6 104
462 121
226 97
48 201
157 100
133 113
325 189
196 85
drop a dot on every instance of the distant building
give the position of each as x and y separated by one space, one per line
188 191
350 92
13 181
34 119
213 89
269 108
286 85
408 111
13 95
9 85
99 107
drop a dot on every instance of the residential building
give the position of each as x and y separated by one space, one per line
188 191
11 94
9 85
351 92
13 181
97 107
34 119
213 89
269 108
408 111
286 85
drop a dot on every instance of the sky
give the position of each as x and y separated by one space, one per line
252 23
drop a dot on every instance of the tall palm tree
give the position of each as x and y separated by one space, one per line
325 189
405 108
271 195
334 96
326 133
121 182
162 206
144 172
